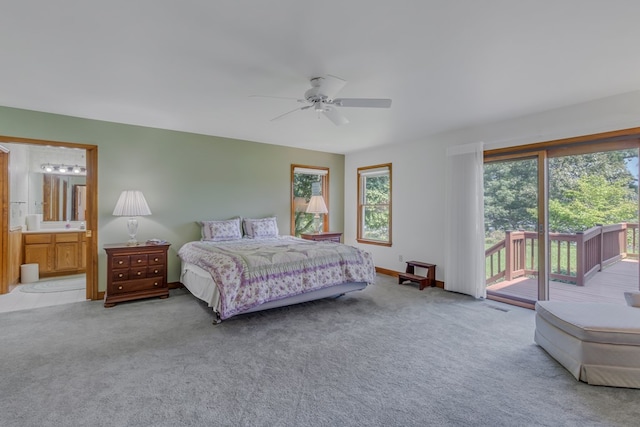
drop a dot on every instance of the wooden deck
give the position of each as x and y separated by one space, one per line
608 285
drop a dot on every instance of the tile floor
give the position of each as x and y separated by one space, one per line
18 300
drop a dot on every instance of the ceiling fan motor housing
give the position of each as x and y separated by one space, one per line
314 94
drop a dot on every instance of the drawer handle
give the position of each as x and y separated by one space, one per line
120 262
120 275
120 287
156 271
139 273
139 260
156 259
155 284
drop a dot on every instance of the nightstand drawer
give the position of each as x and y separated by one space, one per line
138 285
138 259
119 275
156 270
137 272
155 259
120 262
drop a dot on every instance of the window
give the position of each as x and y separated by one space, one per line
374 204
307 181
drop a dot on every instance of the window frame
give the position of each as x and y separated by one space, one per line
324 172
361 175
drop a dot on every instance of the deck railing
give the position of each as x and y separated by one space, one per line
574 257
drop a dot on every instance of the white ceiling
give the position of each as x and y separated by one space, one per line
193 65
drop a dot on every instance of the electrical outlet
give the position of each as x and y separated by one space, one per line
400 258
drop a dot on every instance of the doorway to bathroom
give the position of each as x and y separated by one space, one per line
12 256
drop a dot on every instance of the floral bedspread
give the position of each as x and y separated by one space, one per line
250 272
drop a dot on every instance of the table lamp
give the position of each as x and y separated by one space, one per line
132 204
316 206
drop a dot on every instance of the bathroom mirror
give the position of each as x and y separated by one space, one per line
57 197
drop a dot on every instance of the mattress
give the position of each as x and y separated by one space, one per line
237 276
202 286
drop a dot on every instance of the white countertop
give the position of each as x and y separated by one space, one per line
53 230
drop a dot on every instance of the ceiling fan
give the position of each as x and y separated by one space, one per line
321 99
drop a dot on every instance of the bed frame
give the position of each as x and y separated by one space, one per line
199 282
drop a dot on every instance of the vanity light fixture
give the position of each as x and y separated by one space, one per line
62 168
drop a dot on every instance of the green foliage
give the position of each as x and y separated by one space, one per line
304 223
302 185
584 190
510 195
377 191
593 201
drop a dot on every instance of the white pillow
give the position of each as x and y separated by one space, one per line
219 231
260 228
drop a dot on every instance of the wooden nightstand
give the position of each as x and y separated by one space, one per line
331 236
135 272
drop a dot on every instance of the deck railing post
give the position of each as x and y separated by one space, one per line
508 256
600 261
580 258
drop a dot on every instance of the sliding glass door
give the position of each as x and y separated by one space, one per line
514 238
593 224
561 221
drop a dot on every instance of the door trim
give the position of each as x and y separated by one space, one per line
4 221
92 209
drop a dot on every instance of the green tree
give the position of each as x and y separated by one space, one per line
511 191
566 172
302 190
594 201
510 195
376 199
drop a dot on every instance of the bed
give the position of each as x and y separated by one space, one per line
252 270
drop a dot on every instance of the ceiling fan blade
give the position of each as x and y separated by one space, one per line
278 97
363 102
331 85
335 116
289 112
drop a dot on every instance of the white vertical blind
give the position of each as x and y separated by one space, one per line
464 204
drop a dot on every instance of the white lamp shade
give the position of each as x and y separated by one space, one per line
131 203
317 206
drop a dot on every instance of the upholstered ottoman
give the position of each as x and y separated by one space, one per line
598 343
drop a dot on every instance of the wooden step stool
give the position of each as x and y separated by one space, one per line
430 279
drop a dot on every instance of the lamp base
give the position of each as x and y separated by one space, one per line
316 223
132 227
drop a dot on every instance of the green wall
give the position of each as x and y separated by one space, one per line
184 177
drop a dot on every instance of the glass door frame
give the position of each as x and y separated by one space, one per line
607 141
542 217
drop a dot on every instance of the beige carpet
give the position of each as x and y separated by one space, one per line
390 355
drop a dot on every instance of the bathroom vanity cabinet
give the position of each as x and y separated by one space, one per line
56 253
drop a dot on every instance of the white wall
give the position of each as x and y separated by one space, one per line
18 192
419 171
